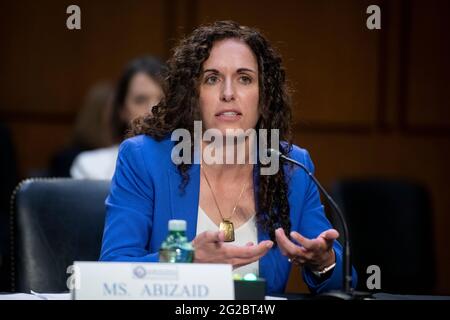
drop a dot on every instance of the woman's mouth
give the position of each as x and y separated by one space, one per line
229 115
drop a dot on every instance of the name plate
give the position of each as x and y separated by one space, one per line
151 281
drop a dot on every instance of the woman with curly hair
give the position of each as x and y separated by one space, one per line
228 77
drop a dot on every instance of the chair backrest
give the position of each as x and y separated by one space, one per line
390 223
55 222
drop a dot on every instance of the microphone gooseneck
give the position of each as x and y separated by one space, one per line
346 270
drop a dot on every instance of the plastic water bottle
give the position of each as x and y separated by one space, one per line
176 248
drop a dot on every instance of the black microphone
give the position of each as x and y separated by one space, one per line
346 270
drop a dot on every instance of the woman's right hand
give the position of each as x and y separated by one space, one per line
210 248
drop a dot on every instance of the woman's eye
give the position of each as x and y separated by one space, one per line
245 79
211 80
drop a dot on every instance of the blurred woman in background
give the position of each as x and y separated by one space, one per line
91 129
138 90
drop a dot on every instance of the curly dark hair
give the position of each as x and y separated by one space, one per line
180 108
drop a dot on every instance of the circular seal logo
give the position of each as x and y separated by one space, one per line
139 272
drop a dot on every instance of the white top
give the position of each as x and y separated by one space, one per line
95 164
242 235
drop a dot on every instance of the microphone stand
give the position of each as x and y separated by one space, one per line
347 293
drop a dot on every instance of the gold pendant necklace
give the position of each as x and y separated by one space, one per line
228 229
225 225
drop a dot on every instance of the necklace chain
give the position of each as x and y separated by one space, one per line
215 200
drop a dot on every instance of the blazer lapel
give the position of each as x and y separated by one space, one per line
184 205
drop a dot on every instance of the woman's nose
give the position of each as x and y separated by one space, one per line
227 93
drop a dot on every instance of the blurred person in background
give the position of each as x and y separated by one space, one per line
138 90
92 129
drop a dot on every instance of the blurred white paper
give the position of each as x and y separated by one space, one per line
19 296
35 296
52 296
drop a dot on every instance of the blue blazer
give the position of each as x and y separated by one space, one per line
145 195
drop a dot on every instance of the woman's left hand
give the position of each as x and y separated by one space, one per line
316 253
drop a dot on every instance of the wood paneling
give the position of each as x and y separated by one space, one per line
428 104
47 68
330 56
35 143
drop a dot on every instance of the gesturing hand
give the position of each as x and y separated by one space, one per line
316 253
210 248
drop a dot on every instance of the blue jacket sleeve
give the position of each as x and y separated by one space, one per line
312 224
129 209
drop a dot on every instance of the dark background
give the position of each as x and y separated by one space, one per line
366 102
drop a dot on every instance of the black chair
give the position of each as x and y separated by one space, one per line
56 222
390 225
